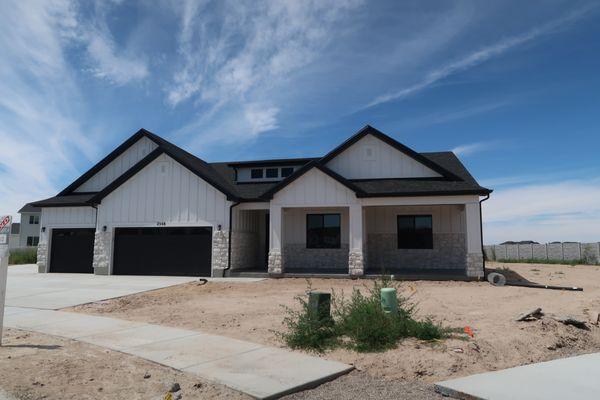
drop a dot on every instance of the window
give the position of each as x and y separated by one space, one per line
34 219
256 173
415 232
272 172
286 171
33 240
323 231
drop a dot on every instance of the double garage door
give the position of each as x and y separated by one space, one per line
182 251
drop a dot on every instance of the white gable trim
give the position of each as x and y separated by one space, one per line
138 150
315 189
372 158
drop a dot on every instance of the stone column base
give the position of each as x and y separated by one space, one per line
475 265
356 264
220 252
275 263
42 257
102 252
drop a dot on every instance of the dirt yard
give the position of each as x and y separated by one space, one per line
252 311
36 365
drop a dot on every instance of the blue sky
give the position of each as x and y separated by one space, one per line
512 87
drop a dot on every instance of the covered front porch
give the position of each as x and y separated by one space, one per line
412 238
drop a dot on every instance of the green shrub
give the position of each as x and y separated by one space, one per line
305 330
358 323
23 256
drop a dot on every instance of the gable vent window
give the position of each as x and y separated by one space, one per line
369 153
272 172
163 167
286 171
256 173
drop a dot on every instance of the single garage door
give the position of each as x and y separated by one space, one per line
72 250
163 251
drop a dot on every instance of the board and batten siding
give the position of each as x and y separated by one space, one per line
314 188
118 166
445 218
65 217
371 158
165 192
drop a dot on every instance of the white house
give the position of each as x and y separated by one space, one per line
29 234
371 205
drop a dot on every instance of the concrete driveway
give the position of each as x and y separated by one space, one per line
26 288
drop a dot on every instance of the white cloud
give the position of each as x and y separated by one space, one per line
39 101
109 64
561 210
472 148
261 119
480 56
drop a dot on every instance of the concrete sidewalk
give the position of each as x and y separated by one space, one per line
27 288
259 371
567 378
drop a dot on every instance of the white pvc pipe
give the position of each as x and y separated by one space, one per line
3 274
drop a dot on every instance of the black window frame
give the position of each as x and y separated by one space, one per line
34 219
286 171
267 170
257 175
320 237
33 240
415 238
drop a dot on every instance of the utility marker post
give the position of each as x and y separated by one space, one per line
5 224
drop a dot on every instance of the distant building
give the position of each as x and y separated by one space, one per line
29 234
13 240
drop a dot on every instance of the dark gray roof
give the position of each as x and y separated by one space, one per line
455 180
29 208
70 200
15 228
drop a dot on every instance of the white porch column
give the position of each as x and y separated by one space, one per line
355 256
474 254
275 260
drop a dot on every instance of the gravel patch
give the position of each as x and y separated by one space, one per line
360 386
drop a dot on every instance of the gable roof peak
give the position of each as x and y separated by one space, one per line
369 130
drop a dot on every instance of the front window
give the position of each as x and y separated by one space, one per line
415 232
34 219
323 231
256 173
33 240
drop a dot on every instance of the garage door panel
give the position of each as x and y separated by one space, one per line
72 250
163 251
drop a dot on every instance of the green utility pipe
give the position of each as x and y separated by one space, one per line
389 301
320 304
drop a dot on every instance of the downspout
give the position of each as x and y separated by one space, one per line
481 232
229 241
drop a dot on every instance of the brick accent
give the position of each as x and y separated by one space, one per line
102 252
275 263
297 256
449 251
220 244
475 265
42 257
245 250
355 263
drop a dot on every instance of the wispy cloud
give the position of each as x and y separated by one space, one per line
465 150
560 210
478 57
39 101
232 56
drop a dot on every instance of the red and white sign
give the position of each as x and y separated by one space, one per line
5 221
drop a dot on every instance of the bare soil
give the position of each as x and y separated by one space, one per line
36 366
253 311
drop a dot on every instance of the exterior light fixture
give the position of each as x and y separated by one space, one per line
43 229
104 228
219 227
